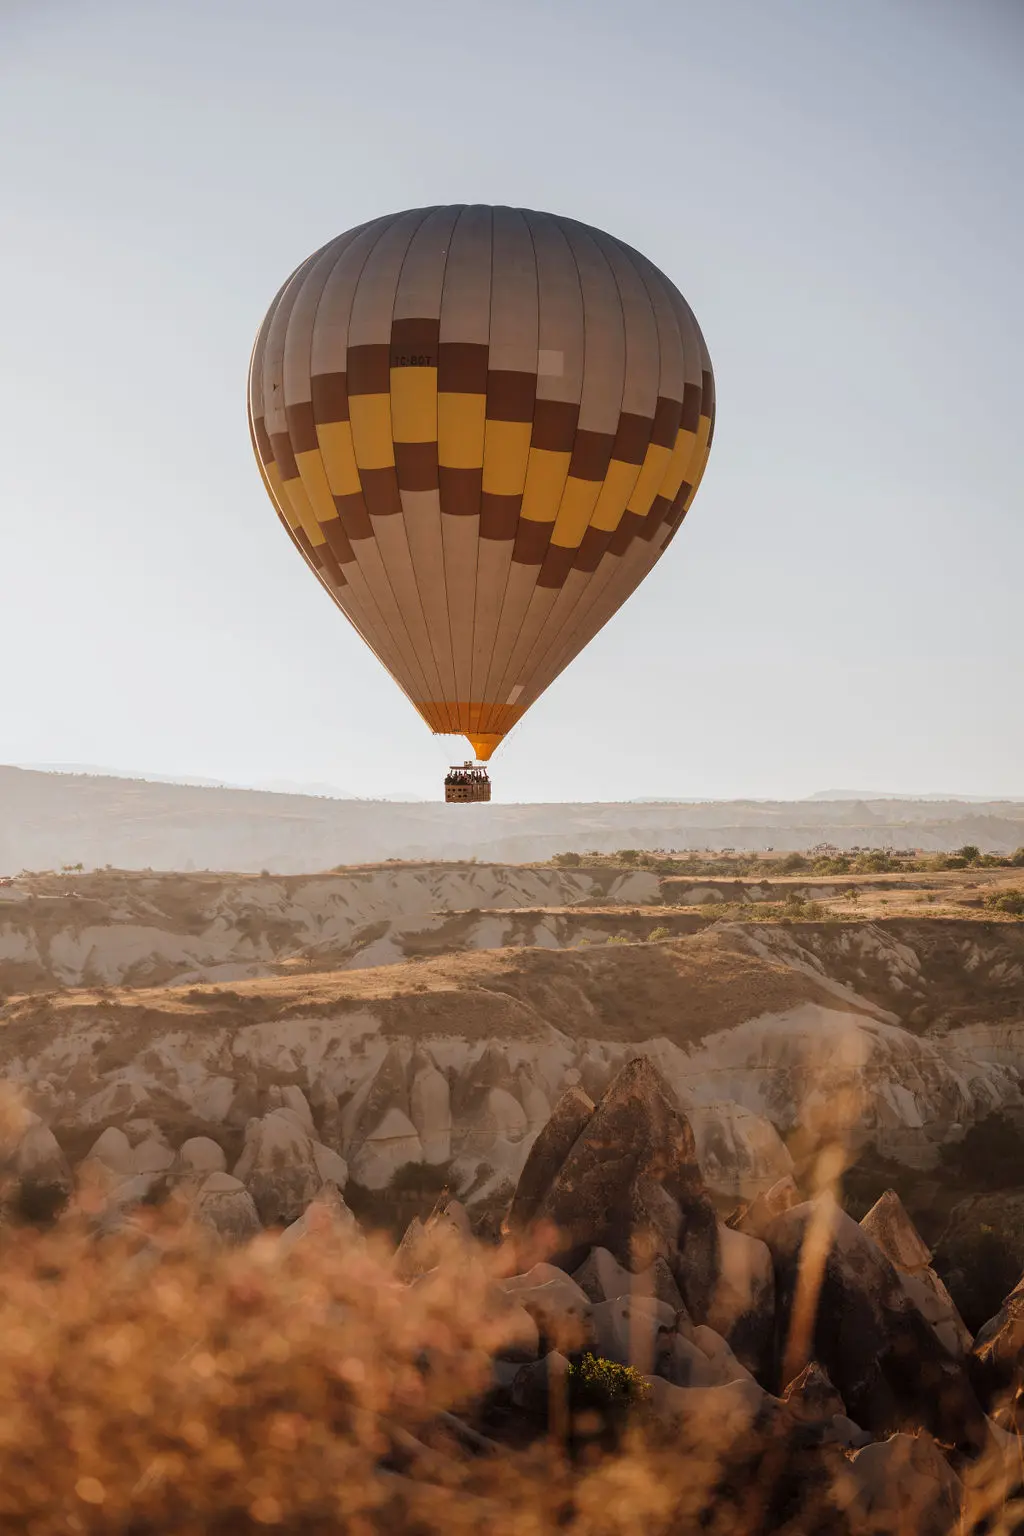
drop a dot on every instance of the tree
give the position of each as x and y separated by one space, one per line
969 852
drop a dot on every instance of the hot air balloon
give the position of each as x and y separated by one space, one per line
481 427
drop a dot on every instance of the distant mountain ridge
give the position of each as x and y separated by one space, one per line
50 819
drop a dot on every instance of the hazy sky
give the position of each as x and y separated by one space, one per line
834 185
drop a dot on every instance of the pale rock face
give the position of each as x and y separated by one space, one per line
740 1153
113 1149
742 1306
721 1358
326 1219
294 1099
201 1155
680 1362
535 1102
558 1306
278 1166
905 1483
330 1165
224 1204
152 1156
498 1117
603 1278
387 1148
627 1329
430 1110
375 1098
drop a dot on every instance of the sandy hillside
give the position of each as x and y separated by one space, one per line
125 928
901 1031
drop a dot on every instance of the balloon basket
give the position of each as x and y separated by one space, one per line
466 783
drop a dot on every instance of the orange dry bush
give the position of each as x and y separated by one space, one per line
154 1384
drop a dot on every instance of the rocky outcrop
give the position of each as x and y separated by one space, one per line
903 1484
326 1219
225 1206
568 1119
841 1299
888 1224
35 1179
742 1302
997 1361
631 1183
278 1167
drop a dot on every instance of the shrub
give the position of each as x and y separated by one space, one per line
1017 859
1011 901
659 933
567 860
595 1382
619 938
791 864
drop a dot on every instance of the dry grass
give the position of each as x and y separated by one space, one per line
155 1384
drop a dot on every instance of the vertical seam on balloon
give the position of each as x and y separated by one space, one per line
479 541
398 649
486 713
405 527
580 607
452 718
593 596
505 682
373 611
428 682
411 657
540 657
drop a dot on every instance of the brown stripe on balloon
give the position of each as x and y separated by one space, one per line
284 457
591 455
414 343
659 508
460 491
666 422
263 444
355 520
554 425
301 426
499 515
629 526
307 549
330 397
331 568
711 429
369 368
631 439
337 540
532 540
592 546
462 367
690 417
380 491
557 564
510 395
416 466
707 392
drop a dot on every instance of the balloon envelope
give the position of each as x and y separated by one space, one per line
481 427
